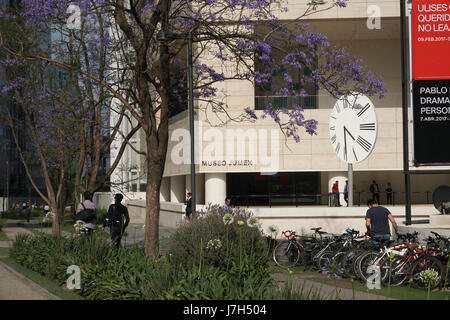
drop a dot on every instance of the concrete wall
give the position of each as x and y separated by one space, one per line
332 220
170 216
102 200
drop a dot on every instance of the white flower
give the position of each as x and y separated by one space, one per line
253 222
228 218
48 217
79 224
429 277
272 230
214 244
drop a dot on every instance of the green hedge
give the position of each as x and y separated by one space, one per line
108 273
21 214
240 272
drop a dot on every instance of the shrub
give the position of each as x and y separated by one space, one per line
108 273
101 215
21 214
185 245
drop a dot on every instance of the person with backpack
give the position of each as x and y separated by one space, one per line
87 212
114 219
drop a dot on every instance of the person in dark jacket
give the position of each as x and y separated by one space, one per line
188 204
117 212
375 189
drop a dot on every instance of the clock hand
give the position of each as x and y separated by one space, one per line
345 130
345 145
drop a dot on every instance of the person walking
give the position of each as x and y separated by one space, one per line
87 212
389 194
375 192
346 192
28 212
188 204
114 219
377 223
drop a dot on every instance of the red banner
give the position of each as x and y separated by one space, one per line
431 39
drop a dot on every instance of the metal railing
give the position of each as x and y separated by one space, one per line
359 198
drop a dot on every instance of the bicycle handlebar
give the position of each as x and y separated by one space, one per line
437 235
289 234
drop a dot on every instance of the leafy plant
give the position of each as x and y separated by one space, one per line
213 225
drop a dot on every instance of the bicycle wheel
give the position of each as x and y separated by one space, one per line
368 259
286 254
355 264
347 260
399 273
423 264
326 259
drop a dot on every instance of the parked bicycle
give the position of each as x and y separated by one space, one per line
400 261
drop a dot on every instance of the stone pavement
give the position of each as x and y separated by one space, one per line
15 286
327 292
11 229
134 235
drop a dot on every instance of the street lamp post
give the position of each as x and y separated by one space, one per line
404 62
7 185
165 35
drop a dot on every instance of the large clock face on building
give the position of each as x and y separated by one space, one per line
353 128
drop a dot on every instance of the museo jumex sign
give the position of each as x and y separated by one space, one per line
430 41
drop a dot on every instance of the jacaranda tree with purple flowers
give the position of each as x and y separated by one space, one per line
80 101
38 117
234 40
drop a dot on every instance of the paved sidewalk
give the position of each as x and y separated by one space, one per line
327 292
134 234
14 286
11 229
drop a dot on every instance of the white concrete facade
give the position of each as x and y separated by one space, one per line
380 51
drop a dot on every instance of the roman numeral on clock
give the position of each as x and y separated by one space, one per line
367 126
345 103
337 108
366 145
333 139
333 128
338 147
366 107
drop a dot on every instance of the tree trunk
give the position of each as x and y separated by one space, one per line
154 177
55 225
